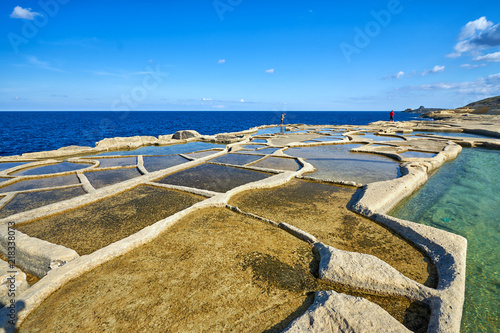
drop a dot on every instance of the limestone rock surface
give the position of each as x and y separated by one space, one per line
336 313
183 135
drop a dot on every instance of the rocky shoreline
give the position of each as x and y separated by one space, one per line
56 264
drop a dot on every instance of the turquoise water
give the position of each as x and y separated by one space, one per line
463 197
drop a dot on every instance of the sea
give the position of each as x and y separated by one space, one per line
33 131
462 197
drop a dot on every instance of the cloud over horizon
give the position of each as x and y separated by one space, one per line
489 85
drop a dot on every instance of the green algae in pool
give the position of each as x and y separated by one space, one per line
463 197
96 225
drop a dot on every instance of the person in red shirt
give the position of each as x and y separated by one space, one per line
392 116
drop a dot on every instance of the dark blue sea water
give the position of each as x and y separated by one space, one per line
22 132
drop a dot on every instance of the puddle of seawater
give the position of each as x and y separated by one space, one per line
417 154
156 163
118 161
4 179
278 164
32 184
100 179
450 134
302 131
329 138
285 140
370 135
26 201
166 150
253 147
202 154
271 130
336 162
213 177
50 169
236 159
267 150
264 151
96 225
259 141
463 197
8 165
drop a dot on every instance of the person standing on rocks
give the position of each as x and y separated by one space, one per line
391 114
282 118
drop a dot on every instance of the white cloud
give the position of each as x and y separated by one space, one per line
396 76
469 66
269 71
23 13
476 36
221 61
489 85
206 99
472 27
435 69
242 100
491 57
42 64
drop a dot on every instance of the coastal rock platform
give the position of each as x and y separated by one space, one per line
271 229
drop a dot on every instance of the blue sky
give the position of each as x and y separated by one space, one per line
247 55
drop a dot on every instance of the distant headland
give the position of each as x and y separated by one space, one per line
487 106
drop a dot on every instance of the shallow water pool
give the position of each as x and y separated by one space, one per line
336 162
451 134
166 150
463 197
